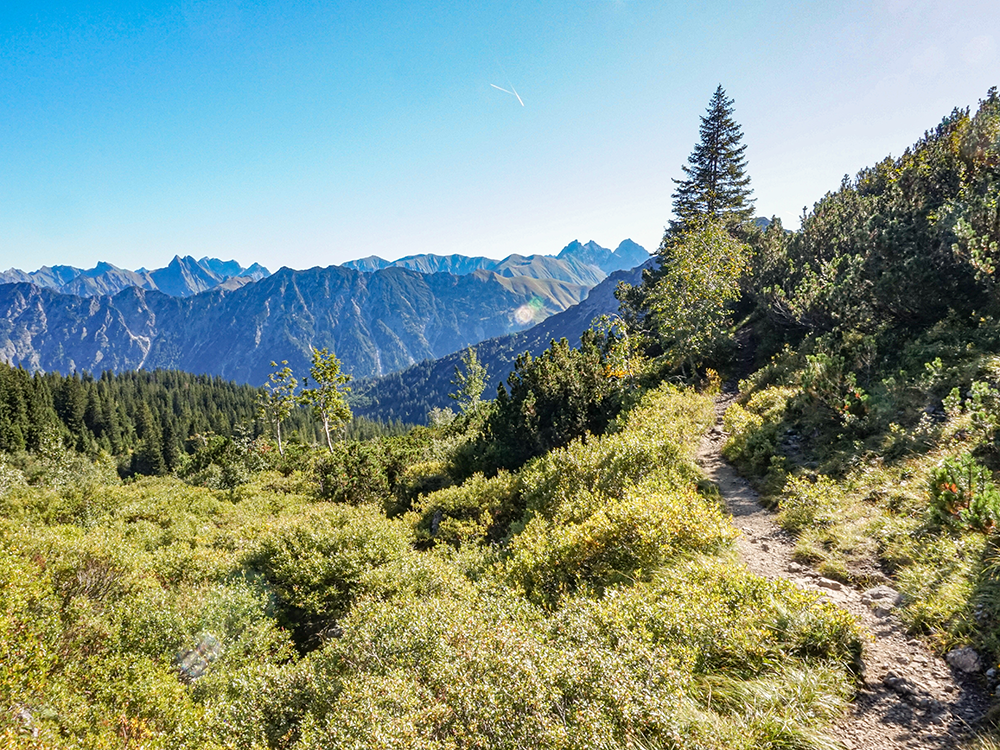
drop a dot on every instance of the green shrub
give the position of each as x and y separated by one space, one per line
418 479
754 429
371 472
317 562
549 401
984 411
963 494
478 510
827 380
30 629
661 664
621 540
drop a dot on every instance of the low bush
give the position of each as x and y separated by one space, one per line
963 494
662 663
317 562
755 429
621 540
373 472
477 511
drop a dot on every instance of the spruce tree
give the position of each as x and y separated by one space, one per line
716 185
681 306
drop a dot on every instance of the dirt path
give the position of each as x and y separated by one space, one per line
910 698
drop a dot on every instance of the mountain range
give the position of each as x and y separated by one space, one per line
182 277
579 263
215 317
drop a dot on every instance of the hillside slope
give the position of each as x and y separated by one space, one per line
409 394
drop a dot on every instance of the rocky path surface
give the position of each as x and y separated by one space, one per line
909 697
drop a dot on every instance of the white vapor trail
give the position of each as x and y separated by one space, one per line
512 93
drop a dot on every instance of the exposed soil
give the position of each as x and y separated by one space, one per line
908 697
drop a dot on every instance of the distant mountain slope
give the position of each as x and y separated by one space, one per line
376 322
408 394
578 263
182 277
429 263
105 279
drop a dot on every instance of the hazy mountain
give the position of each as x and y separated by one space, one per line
106 279
429 263
181 278
224 269
545 266
184 277
408 394
578 263
50 277
375 322
627 255
368 264
255 272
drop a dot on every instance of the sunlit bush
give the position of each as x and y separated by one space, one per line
319 561
477 510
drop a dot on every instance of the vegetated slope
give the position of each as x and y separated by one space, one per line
871 421
181 278
408 395
146 421
376 323
911 698
265 616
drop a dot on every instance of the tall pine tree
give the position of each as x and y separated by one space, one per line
681 308
715 186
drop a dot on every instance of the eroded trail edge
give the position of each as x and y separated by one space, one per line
909 698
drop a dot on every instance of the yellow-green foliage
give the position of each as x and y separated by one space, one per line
707 656
469 512
620 540
576 603
616 509
29 624
809 502
753 429
317 560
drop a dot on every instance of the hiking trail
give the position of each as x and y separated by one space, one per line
908 697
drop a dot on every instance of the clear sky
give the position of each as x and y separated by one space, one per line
309 133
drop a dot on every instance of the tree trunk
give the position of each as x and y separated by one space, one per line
329 440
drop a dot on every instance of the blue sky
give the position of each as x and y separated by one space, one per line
306 133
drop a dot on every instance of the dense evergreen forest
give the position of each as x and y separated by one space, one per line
148 421
548 568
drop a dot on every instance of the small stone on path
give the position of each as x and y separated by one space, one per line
965 659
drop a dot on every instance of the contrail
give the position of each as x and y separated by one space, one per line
512 93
